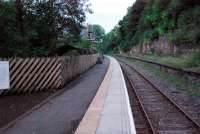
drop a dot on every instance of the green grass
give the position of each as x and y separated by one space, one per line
167 60
180 83
187 62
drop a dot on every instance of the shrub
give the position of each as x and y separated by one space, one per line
194 61
188 31
33 28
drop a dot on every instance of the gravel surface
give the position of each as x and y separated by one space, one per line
13 106
191 104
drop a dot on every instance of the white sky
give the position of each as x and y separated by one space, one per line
107 13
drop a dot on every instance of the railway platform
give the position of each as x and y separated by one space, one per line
61 112
110 111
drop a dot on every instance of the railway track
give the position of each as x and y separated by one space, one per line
153 110
142 122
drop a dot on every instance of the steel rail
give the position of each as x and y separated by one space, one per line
140 102
165 95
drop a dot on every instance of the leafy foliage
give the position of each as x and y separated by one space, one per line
34 28
98 31
83 43
110 41
188 24
146 21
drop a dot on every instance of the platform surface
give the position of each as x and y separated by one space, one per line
109 112
61 114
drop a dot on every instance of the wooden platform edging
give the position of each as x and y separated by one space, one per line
51 73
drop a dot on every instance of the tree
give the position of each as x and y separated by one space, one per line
34 28
98 31
110 42
147 20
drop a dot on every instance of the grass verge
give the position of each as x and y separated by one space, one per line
180 83
187 62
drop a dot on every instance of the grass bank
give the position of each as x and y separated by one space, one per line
180 83
187 62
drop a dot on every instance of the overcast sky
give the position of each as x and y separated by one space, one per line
107 13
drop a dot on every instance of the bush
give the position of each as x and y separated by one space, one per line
84 43
188 31
33 28
179 19
194 61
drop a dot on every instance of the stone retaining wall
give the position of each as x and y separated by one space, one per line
163 46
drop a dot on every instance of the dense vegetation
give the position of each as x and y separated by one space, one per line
109 43
39 27
179 20
98 31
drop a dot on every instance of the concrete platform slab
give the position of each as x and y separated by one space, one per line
114 113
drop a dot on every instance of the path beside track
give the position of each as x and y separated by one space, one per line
62 114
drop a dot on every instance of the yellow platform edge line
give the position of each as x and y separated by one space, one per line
91 119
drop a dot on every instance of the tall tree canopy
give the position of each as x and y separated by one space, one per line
98 31
36 27
147 20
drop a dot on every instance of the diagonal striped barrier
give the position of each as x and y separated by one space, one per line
38 74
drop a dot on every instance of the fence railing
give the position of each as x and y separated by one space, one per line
37 74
